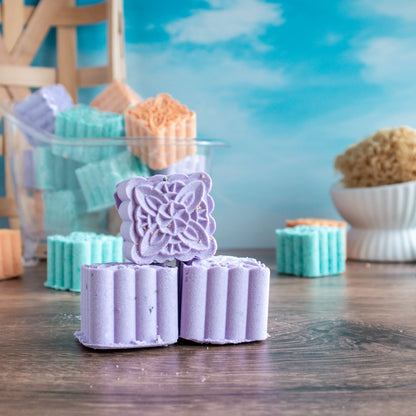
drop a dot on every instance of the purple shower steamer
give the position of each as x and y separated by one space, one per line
124 305
40 109
166 218
224 300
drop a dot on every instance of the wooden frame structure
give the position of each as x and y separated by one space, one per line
24 30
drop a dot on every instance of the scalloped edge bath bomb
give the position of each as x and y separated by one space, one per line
224 300
116 97
10 254
124 305
41 107
166 218
166 119
310 251
66 254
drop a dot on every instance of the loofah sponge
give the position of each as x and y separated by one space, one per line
124 305
384 158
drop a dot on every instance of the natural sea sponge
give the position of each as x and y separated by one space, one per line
384 158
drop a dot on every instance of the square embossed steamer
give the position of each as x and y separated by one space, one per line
166 218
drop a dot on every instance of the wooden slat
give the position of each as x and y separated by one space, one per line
18 75
116 54
67 56
27 13
32 37
82 15
36 30
13 11
7 207
14 222
70 16
14 14
87 77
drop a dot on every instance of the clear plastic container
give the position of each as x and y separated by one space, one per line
63 185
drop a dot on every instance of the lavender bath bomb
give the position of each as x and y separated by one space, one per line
40 108
224 300
124 305
166 218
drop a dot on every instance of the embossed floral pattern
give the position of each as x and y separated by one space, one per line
171 218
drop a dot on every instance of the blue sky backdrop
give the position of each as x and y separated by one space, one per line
289 84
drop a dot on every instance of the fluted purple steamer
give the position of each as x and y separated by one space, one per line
224 300
124 305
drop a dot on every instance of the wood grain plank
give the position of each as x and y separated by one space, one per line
338 345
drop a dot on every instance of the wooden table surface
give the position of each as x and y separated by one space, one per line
338 345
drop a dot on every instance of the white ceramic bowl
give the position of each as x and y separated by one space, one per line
382 220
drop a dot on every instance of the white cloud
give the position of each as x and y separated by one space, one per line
225 21
388 60
402 9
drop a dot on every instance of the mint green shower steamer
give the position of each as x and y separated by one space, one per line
99 179
66 254
310 251
83 121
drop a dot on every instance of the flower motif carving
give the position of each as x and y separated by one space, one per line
172 218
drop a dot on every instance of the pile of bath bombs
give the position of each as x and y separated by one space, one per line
77 181
174 285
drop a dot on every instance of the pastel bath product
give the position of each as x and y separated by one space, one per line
83 121
66 254
116 97
99 179
40 109
28 169
166 218
124 305
319 222
54 172
224 300
10 254
310 251
66 211
170 127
